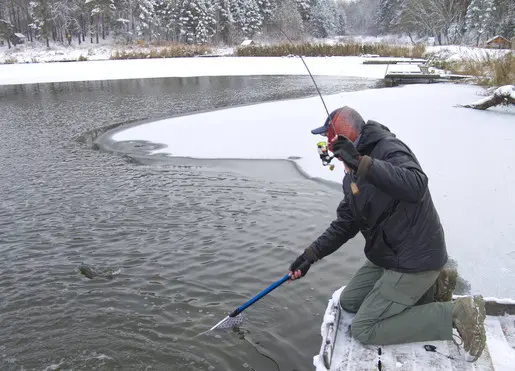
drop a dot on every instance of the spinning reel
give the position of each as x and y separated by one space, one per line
324 155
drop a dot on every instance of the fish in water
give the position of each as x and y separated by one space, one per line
92 272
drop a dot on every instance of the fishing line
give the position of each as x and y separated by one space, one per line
307 68
263 354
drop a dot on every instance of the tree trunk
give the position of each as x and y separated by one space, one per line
96 29
504 95
9 43
47 42
103 28
411 38
91 29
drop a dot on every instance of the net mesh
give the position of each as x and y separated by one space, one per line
230 322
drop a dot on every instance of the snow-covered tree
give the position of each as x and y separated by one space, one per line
340 19
225 20
503 18
146 14
323 19
361 16
196 19
6 30
247 17
289 19
304 8
265 8
389 14
41 15
164 19
479 18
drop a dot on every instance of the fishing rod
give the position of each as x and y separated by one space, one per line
321 146
307 68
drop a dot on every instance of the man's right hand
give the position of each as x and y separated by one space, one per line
301 265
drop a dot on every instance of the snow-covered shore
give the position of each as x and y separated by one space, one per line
185 67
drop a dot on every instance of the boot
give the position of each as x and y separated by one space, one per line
445 284
468 315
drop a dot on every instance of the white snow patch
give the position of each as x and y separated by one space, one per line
185 67
464 152
458 52
506 91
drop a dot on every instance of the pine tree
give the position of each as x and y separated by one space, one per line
196 20
388 15
146 13
6 30
40 12
265 8
478 19
164 19
503 18
323 19
225 20
288 17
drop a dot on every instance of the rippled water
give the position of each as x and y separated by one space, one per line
193 240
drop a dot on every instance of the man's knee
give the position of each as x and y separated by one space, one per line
362 331
349 304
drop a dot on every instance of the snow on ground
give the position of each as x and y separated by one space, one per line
183 67
466 154
456 53
37 52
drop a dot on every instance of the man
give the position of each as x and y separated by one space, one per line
402 293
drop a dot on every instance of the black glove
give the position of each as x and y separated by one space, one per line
346 151
303 262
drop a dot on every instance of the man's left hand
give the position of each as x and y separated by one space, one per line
346 151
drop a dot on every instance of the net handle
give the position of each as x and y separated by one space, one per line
266 291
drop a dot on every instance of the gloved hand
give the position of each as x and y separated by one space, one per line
344 150
300 266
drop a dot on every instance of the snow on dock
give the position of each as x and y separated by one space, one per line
349 354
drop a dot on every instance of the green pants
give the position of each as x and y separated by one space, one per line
394 308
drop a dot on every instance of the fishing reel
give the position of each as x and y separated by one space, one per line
324 155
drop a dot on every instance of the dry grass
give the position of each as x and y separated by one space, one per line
487 70
171 51
324 50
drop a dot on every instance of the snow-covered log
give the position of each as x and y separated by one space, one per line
503 95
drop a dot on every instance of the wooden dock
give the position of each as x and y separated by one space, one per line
397 78
394 61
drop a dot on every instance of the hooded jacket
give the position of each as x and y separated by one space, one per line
393 209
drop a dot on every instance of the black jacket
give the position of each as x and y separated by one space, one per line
393 209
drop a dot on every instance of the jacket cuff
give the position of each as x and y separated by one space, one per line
364 165
310 253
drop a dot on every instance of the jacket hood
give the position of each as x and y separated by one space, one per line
372 133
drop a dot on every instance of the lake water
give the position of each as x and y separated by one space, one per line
191 240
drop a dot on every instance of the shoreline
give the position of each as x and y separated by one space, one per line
14 74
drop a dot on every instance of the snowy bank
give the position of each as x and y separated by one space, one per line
464 152
457 53
186 67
